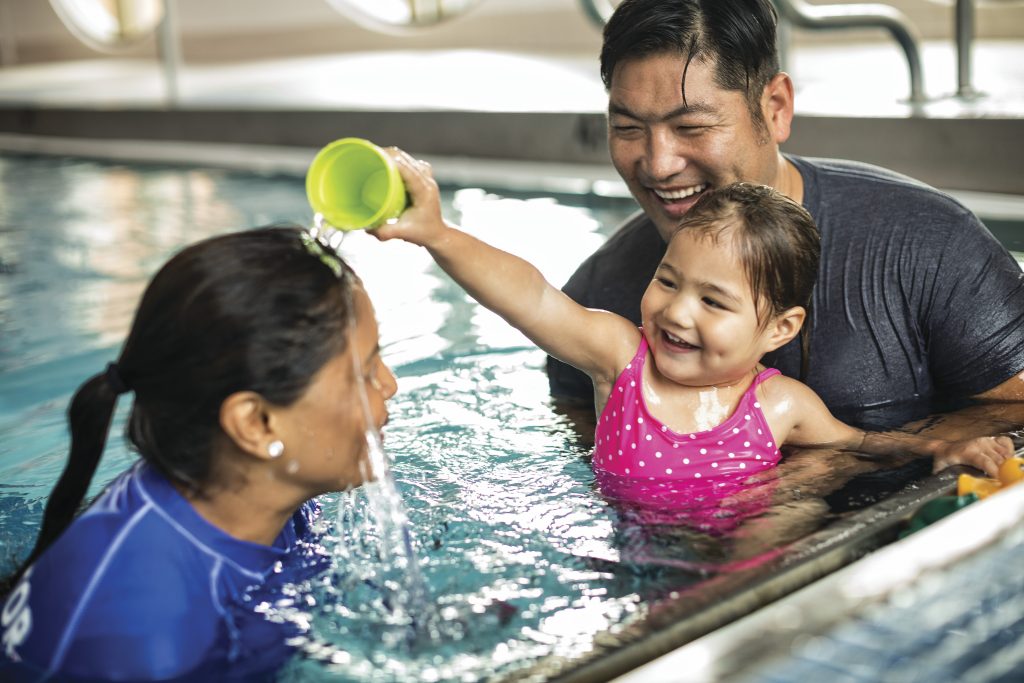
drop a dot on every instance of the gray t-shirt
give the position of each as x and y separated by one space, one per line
916 304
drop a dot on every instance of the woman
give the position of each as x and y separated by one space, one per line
256 372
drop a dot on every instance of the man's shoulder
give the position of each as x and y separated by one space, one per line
853 170
865 194
833 176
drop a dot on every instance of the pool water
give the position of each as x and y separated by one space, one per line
523 560
498 490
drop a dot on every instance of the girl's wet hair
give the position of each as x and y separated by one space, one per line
261 310
778 244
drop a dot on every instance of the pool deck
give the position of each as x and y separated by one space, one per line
872 618
518 107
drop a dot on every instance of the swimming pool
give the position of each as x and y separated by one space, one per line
529 571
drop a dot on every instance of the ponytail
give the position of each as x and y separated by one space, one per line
89 417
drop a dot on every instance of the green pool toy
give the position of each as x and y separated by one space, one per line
935 510
354 184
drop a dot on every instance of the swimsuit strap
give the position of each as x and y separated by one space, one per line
763 376
750 395
641 350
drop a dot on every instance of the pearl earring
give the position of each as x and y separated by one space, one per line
275 449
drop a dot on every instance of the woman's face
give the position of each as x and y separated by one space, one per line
324 432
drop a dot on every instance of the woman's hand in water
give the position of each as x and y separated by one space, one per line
985 453
421 223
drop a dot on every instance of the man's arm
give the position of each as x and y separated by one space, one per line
1010 390
798 417
976 335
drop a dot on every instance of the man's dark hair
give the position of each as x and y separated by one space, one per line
736 37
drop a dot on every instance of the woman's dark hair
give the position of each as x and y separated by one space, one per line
261 310
737 37
779 246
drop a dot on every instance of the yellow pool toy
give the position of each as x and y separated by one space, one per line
1010 472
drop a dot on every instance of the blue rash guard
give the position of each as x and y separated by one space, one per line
140 587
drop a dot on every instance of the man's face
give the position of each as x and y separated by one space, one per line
668 151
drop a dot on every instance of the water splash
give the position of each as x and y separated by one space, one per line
374 582
375 550
374 540
323 231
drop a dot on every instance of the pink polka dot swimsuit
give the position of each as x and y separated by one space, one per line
633 444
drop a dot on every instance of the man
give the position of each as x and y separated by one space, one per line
915 302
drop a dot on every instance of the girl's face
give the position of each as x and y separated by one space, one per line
324 431
700 316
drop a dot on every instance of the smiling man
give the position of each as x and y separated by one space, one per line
916 305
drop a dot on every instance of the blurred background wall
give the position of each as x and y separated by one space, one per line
228 30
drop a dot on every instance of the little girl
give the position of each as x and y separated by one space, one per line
684 397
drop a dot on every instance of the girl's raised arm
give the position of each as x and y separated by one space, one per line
806 421
597 342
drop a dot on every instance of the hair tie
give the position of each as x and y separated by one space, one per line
114 379
324 252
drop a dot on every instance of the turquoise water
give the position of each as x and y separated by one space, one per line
497 485
523 561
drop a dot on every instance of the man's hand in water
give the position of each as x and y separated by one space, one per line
985 453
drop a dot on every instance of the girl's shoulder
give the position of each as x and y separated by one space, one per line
626 351
777 388
788 403
786 399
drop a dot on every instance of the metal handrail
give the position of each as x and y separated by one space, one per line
870 15
964 28
169 47
598 11
805 15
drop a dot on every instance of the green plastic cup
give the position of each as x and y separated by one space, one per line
354 184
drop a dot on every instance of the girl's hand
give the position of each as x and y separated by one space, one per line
985 453
421 223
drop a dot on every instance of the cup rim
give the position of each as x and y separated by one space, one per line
319 164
